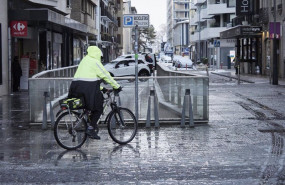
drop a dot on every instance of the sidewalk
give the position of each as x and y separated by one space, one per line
249 78
242 144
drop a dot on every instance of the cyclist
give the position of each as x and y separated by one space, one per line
86 83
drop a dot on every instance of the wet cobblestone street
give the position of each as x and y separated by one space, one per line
243 143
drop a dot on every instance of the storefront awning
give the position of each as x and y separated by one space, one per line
47 16
241 31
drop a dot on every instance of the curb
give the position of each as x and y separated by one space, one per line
232 77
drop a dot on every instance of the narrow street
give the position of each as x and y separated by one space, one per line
243 143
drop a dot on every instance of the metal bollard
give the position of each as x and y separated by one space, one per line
238 74
191 119
51 114
148 119
44 125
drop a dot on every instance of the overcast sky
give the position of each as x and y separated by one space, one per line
155 8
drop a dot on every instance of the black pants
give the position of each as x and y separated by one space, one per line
95 116
236 70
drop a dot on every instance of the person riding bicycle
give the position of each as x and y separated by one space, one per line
86 83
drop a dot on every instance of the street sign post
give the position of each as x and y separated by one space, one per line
136 21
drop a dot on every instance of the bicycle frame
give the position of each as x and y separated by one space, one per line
109 101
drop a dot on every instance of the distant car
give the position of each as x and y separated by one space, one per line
165 59
182 62
126 67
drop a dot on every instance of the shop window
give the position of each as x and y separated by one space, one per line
1 82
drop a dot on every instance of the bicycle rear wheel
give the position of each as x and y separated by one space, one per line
122 125
70 131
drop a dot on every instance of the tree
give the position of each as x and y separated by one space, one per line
147 37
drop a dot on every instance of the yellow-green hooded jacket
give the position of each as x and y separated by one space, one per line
87 79
91 68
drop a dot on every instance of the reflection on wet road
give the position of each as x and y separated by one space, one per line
242 144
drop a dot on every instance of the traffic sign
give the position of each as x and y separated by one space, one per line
131 20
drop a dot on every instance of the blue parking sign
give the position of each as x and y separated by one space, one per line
128 20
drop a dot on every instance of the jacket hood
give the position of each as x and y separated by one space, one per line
94 52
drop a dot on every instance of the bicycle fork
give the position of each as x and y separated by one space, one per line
120 120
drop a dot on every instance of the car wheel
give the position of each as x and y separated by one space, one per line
143 73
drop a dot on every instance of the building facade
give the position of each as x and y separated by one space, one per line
178 25
5 66
128 32
253 29
46 35
109 28
207 19
267 14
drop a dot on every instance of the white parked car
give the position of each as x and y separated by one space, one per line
126 67
165 59
128 56
182 62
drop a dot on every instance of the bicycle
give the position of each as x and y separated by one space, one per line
71 124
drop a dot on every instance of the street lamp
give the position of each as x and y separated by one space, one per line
199 32
275 61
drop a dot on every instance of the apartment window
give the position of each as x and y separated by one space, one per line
119 21
231 3
119 38
186 14
186 6
68 3
88 8
82 6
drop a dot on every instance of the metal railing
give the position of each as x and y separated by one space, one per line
169 88
60 72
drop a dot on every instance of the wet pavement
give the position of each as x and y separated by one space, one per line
243 143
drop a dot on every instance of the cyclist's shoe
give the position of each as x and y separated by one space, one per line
91 133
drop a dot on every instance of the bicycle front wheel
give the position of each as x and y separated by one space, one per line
122 125
70 130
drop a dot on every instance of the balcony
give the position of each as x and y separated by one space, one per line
45 2
197 2
207 33
181 1
204 14
217 9
106 37
182 10
105 15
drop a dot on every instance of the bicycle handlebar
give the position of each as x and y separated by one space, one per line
110 91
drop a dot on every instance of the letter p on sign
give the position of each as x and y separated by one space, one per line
128 20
